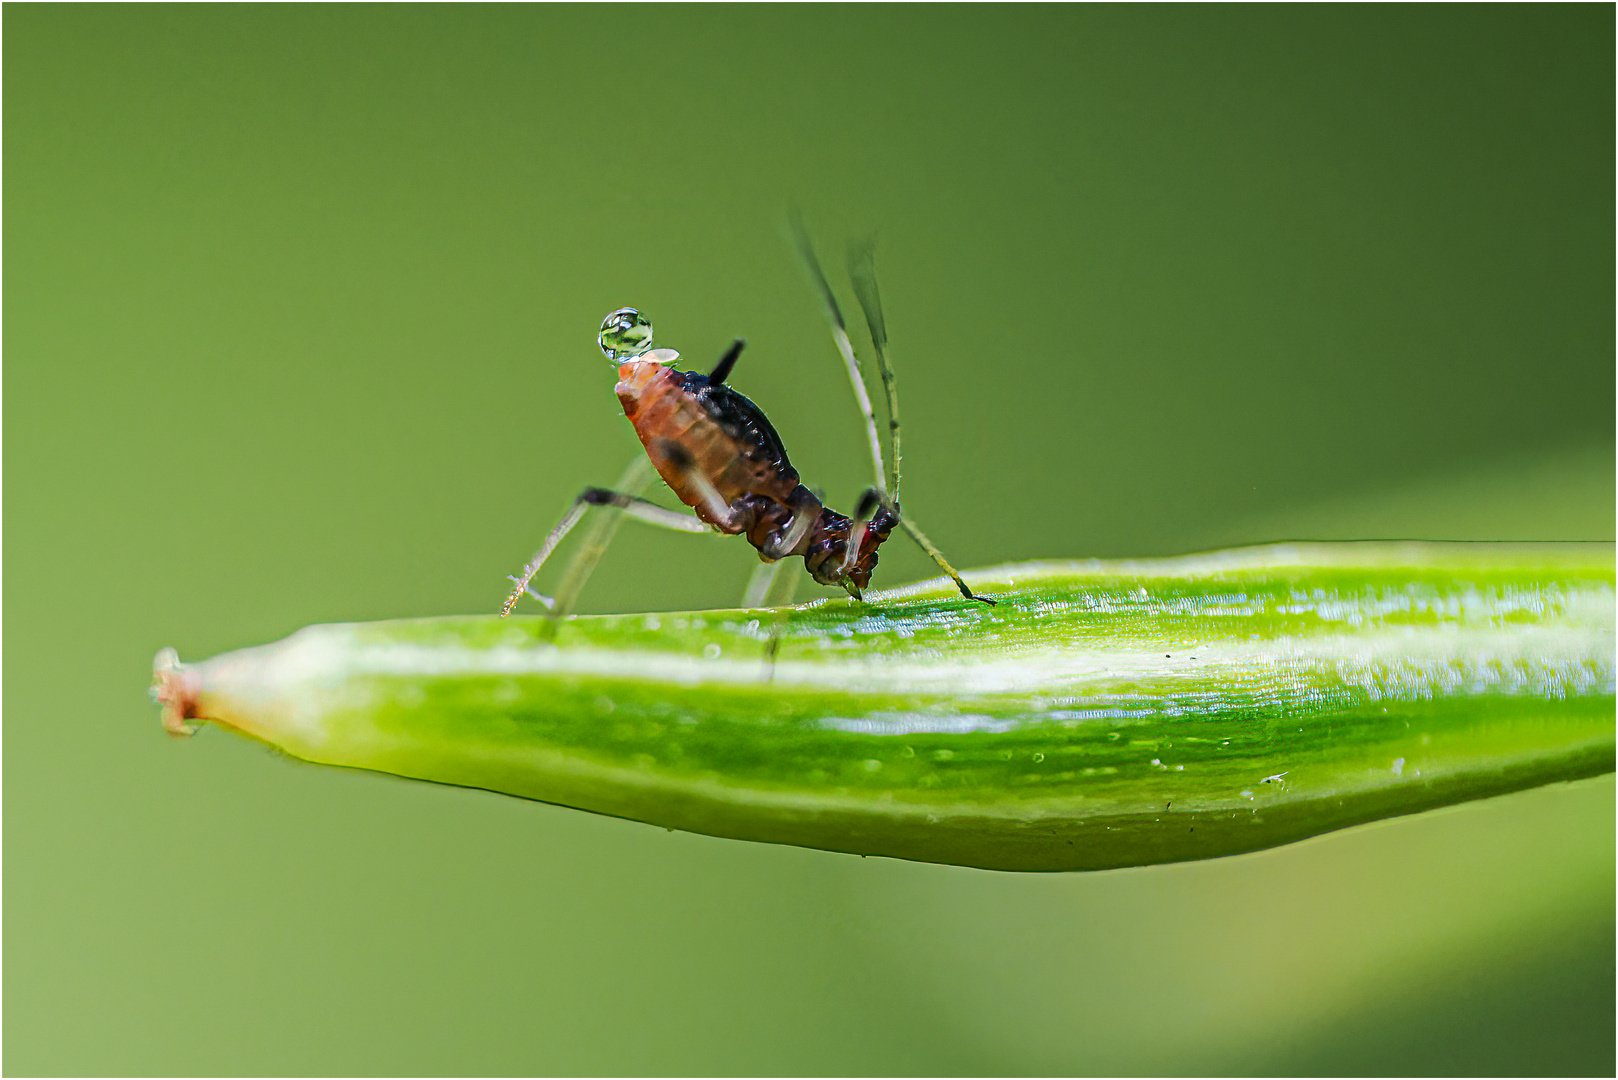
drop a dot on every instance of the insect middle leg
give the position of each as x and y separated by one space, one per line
768 586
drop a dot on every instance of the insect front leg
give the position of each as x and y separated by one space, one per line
856 534
938 557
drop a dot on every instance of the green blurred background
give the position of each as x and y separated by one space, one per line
300 314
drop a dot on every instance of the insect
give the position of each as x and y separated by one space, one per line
720 455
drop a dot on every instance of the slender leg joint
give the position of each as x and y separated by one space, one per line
593 496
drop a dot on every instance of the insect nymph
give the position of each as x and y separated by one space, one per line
720 455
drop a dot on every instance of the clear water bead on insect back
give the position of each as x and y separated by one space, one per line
625 333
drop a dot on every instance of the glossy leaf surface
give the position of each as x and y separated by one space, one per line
1101 714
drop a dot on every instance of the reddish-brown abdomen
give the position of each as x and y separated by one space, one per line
729 442
660 408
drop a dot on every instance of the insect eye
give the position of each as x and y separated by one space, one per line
625 334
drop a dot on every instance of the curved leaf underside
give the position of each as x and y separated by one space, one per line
1102 714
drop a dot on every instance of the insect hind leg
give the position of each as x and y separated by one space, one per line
615 503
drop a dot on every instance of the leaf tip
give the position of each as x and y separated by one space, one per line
177 689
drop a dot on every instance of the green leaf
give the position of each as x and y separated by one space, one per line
1101 714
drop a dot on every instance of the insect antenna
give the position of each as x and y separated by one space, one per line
862 272
839 334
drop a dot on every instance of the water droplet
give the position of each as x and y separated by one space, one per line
711 651
1039 757
872 764
626 333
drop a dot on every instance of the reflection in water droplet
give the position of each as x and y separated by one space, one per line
625 333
